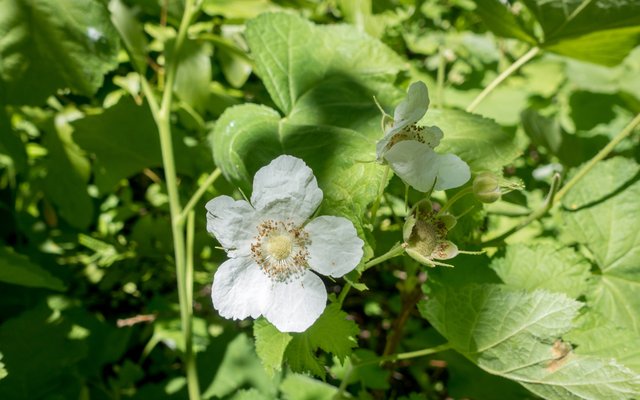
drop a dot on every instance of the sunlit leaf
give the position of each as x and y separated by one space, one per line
49 45
517 335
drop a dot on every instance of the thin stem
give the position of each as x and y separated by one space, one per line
383 359
161 115
383 182
213 176
190 360
460 194
409 301
599 157
395 251
504 75
548 203
343 293
172 65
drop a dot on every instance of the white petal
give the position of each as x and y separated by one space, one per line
286 189
432 136
415 163
233 223
452 172
445 250
335 247
413 107
240 289
418 165
296 305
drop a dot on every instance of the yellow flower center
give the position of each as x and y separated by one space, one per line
280 250
279 246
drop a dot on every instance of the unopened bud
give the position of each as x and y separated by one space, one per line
486 187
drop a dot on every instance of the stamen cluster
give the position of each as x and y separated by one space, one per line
280 250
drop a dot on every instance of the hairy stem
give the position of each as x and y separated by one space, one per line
504 75
599 157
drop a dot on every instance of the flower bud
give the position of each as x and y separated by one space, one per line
486 187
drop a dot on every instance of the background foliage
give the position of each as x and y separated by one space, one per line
89 306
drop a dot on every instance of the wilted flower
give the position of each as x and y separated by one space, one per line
408 147
272 248
424 235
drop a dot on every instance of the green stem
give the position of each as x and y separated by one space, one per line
599 157
548 203
504 75
190 360
395 251
391 357
198 194
184 262
460 194
343 293
376 204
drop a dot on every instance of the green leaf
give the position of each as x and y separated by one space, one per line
301 387
543 266
600 31
292 55
11 146
67 174
602 212
125 141
131 32
194 73
569 18
240 368
597 335
324 79
18 270
479 141
501 21
270 344
515 334
249 136
40 353
48 45
300 356
332 332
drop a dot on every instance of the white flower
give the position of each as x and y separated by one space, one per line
272 248
408 148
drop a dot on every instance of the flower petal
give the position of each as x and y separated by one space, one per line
233 223
335 247
415 163
413 107
445 250
418 165
240 289
452 172
286 189
296 305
